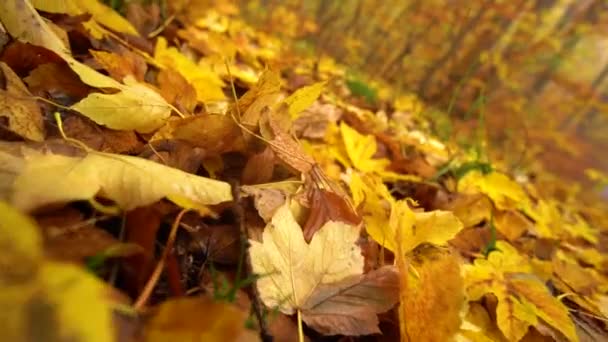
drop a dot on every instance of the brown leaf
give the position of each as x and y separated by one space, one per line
18 112
121 65
23 57
175 153
286 148
220 243
176 90
57 80
100 138
259 168
216 134
145 18
313 122
512 224
327 206
349 307
434 297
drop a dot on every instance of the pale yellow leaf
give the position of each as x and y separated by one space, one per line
129 181
291 269
136 107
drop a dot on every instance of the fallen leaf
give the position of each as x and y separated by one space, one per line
18 108
283 254
327 206
129 181
259 168
522 298
434 297
57 80
266 200
361 149
207 84
100 138
99 12
304 98
121 65
134 106
503 191
198 319
176 90
350 306
512 224
42 294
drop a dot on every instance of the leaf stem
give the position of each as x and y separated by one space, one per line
300 329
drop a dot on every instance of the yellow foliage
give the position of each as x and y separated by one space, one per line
503 191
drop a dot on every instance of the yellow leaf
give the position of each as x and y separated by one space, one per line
46 298
304 98
129 181
133 100
374 200
409 229
432 300
198 319
522 297
17 105
208 84
361 149
504 192
291 269
123 110
99 12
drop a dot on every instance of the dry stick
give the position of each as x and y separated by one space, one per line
147 291
256 303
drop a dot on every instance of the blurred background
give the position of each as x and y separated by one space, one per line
525 80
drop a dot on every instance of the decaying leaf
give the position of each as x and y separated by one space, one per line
327 206
18 108
130 182
349 307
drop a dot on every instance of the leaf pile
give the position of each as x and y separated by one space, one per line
186 177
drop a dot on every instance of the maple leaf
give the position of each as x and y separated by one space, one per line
503 191
129 181
322 280
304 98
522 298
360 150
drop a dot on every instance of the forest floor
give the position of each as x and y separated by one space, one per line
196 179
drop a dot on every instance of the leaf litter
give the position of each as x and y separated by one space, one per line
204 166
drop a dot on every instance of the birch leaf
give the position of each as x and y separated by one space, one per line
129 181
